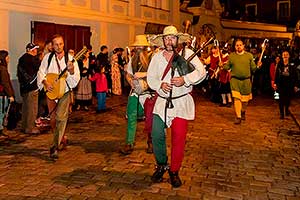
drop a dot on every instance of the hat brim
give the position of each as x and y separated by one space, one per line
140 45
157 40
35 47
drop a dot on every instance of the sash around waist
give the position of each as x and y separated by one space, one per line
240 78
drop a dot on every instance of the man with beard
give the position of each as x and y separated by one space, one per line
55 63
174 105
241 64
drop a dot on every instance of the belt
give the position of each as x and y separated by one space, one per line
239 78
177 97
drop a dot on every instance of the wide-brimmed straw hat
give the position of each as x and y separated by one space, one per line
157 40
140 41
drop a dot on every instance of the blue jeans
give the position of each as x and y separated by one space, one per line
101 97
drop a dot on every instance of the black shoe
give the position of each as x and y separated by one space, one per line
237 120
160 170
53 153
281 116
174 179
287 112
229 104
128 149
223 105
243 117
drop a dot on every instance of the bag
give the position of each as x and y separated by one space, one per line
148 111
12 116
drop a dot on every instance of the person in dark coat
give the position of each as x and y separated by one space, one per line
285 83
6 89
28 67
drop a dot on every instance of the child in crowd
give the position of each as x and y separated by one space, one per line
101 88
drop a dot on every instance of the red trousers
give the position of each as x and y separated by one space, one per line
178 138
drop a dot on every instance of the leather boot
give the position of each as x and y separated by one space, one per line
238 120
174 179
160 170
53 152
127 149
243 117
149 148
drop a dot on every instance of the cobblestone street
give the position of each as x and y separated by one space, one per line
259 159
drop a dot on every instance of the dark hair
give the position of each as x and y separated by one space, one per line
47 42
99 69
103 47
3 55
56 36
89 47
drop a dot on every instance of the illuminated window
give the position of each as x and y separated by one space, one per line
283 9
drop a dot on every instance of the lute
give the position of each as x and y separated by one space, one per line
58 81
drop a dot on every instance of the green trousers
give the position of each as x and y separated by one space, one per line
159 140
134 110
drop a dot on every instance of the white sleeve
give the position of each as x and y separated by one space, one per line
153 76
129 67
41 75
73 79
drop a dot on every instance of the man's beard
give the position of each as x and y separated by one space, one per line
170 48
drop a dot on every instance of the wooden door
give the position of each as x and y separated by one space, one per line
75 37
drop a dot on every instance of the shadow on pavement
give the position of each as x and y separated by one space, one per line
105 179
25 151
103 147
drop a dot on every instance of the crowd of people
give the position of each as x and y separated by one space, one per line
161 80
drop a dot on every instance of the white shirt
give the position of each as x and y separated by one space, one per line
184 107
72 80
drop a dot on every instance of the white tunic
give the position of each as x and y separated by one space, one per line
72 80
184 107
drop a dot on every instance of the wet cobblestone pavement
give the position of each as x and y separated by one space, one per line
258 159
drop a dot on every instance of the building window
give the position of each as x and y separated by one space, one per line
158 4
251 10
283 9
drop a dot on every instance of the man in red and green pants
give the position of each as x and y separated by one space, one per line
179 84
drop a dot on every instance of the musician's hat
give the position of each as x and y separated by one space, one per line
140 41
157 40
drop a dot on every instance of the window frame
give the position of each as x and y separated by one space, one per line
251 4
278 9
